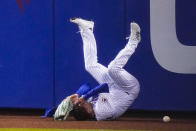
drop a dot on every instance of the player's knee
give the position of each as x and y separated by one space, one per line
136 88
90 68
113 67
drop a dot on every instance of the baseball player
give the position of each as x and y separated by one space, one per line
117 88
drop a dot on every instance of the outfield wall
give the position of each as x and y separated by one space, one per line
41 58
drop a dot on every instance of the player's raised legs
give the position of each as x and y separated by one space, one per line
98 71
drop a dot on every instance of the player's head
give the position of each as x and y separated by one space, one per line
83 111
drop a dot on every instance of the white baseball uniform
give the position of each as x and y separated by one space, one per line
123 87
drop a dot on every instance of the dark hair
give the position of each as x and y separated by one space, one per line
81 114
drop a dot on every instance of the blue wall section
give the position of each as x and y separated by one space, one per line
185 21
26 64
41 55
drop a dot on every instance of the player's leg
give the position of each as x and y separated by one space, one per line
116 71
124 55
98 71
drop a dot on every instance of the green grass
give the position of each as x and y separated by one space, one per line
34 129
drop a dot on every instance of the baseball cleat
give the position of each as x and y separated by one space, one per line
135 32
83 24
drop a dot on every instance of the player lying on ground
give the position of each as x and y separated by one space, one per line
117 90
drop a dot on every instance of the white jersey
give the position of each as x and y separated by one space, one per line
123 87
113 104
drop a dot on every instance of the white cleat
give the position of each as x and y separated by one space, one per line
83 24
135 32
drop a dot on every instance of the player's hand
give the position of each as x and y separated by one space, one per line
74 98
